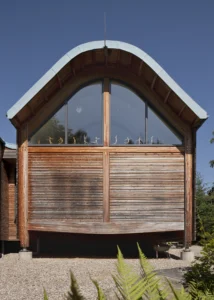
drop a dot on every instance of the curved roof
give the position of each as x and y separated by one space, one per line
199 112
8 145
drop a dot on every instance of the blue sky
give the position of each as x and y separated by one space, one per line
179 35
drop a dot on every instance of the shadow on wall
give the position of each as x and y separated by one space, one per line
99 246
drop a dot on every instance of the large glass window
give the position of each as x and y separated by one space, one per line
159 132
127 117
80 121
53 131
133 122
85 116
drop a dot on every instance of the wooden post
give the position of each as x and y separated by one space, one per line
23 186
106 122
194 185
106 196
106 112
188 190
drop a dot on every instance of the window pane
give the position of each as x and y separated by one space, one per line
85 116
127 117
53 131
159 132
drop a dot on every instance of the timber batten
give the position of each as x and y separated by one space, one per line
141 186
23 186
8 220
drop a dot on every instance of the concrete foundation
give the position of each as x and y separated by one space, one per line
187 255
25 255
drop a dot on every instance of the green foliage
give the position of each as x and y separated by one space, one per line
146 285
198 294
201 274
74 293
179 295
100 293
45 295
129 284
53 132
212 142
204 209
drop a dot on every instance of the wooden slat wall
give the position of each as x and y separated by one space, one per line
65 186
147 187
8 225
4 203
10 153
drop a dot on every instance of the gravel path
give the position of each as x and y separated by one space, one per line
25 280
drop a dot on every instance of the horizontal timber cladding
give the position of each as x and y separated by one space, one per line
8 223
65 187
147 187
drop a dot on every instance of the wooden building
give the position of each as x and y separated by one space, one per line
8 199
106 145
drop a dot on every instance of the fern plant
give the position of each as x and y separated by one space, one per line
131 285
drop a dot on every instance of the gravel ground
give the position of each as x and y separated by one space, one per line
21 280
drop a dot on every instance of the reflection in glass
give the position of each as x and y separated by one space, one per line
53 131
127 117
80 121
85 116
160 133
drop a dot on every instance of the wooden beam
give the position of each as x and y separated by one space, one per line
194 130
181 111
59 81
153 82
46 98
31 110
195 121
134 149
140 67
93 57
106 187
23 186
106 111
130 60
167 96
106 227
188 189
17 120
118 57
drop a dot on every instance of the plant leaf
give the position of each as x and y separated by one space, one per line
74 293
100 293
45 295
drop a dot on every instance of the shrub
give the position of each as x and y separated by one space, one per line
202 270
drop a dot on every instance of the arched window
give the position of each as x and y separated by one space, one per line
132 121
78 122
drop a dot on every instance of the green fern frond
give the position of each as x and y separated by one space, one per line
74 293
45 295
153 290
179 295
145 265
100 293
163 294
130 285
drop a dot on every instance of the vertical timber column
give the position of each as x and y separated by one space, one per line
23 186
106 124
194 184
188 190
